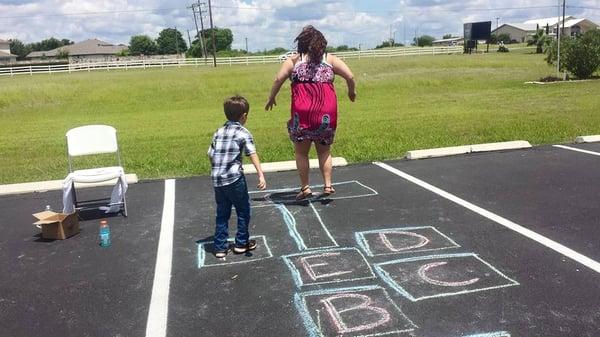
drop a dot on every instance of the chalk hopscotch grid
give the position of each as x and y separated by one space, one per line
330 197
394 285
313 329
364 245
491 334
202 253
298 279
290 222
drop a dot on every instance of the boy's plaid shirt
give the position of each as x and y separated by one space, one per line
225 152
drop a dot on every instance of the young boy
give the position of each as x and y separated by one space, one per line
229 182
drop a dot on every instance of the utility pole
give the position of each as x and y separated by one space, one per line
563 19
176 41
212 28
198 35
558 36
497 18
189 38
203 45
246 45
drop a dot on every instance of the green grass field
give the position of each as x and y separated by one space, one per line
165 118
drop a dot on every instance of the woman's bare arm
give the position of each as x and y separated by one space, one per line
340 68
282 75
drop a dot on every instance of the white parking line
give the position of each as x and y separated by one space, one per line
586 261
156 325
577 150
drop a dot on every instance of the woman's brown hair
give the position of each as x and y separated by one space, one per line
311 42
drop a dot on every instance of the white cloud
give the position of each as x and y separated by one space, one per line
266 23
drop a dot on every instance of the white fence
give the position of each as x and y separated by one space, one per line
229 61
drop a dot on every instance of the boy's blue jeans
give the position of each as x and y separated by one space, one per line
235 194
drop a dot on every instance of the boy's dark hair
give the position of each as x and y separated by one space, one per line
235 107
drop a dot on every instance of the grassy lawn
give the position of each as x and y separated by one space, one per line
165 118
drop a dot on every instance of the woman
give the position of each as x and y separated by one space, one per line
314 103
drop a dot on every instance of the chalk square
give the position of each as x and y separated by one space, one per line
434 276
344 190
491 334
328 266
352 312
403 240
261 252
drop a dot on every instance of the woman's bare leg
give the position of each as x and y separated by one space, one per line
302 165
325 162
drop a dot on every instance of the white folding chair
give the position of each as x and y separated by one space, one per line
93 140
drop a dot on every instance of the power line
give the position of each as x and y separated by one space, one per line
405 10
91 13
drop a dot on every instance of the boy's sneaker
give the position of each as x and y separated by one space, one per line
251 245
220 254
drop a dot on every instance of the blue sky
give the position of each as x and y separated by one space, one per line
270 23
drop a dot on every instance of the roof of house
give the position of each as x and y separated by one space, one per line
521 26
5 55
548 21
87 47
573 22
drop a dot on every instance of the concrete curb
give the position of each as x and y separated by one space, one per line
290 165
587 139
456 150
54 185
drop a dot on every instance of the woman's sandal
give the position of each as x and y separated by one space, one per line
328 190
304 193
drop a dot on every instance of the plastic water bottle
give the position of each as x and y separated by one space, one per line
104 234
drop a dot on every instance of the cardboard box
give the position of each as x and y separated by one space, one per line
57 226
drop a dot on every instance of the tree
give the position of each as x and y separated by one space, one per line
424 40
540 40
504 37
62 54
170 41
493 39
195 49
223 39
388 44
447 36
47 44
142 45
19 48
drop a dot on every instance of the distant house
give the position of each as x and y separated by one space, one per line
453 41
91 50
579 26
520 32
5 56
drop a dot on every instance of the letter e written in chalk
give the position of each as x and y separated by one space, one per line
354 305
312 269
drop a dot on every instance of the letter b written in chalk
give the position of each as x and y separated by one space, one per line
354 312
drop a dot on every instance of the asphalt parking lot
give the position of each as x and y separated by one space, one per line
492 244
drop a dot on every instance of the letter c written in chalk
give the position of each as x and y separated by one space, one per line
423 271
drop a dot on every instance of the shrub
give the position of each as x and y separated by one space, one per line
580 56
